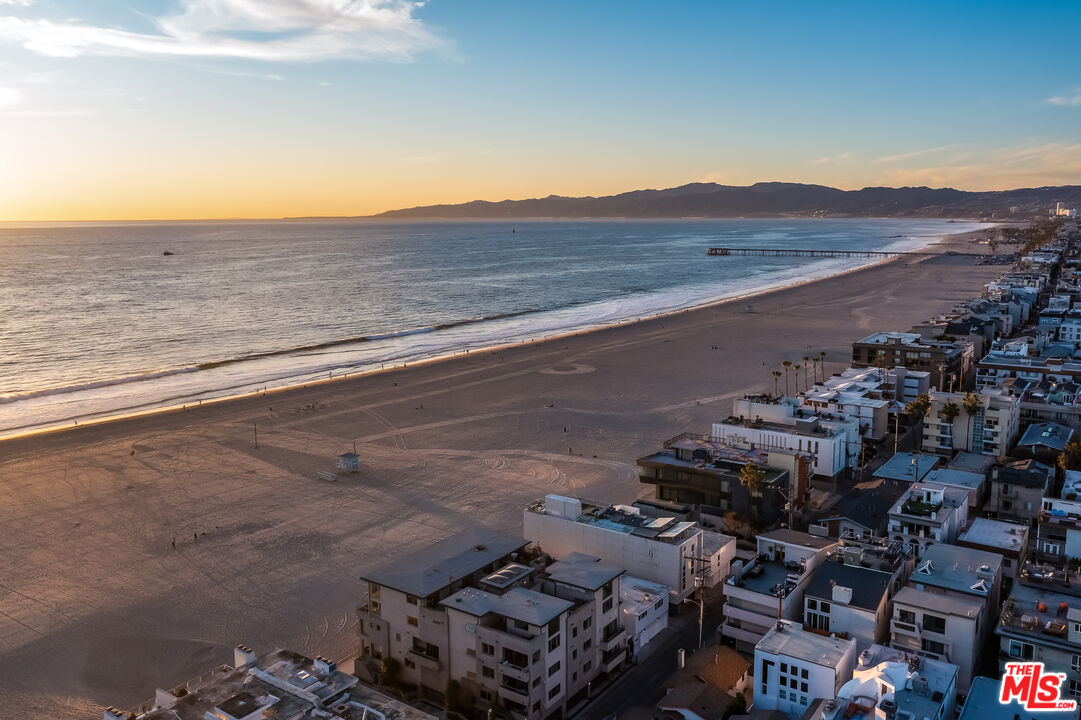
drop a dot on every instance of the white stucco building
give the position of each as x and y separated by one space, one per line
793 667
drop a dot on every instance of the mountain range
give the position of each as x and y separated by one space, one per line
767 199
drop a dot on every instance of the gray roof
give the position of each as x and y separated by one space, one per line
430 569
902 467
956 568
795 642
956 478
973 462
868 586
996 533
529 606
949 604
583 571
795 537
868 505
1051 435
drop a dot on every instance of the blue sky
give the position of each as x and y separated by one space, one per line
224 108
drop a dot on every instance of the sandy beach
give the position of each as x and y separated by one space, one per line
97 606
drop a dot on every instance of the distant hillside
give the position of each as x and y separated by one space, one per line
764 200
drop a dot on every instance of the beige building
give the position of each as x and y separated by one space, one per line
991 429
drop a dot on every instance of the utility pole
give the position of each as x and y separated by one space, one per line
896 429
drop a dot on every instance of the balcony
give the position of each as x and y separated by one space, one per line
510 670
898 627
612 660
920 509
423 659
613 637
514 690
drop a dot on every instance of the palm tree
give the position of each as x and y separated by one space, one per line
916 410
752 478
796 368
822 359
950 411
776 378
1070 459
787 364
806 360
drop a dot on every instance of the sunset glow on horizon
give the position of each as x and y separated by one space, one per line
203 109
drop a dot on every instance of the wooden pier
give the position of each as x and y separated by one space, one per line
801 252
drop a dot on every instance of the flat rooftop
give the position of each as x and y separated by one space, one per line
939 602
956 478
960 569
797 537
906 466
996 533
868 586
636 594
1022 613
433 568
623 519
528 606
794 642
583 571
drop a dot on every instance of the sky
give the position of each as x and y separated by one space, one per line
185 109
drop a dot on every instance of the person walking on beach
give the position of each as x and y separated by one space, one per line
174 543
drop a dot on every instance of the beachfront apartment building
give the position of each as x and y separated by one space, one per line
947 610
1041 622
926 514
864 394
762 421
403 619
771 585
281 684
525 638
946 362
986 422
659 549
1018 489
1018 360
794 666
975 484
705 472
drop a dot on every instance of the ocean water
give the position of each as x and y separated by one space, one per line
96 321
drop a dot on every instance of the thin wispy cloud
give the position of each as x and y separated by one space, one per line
268 30
901 157
1026 166
844 157
1069 100
19 3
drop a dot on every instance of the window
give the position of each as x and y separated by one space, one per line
536 681
587 644
587 623
574 654
553 692
553 643
1007 505
906 616
818 621
554 669
410 664
487 649
411 599
1021 650
933 646
607 605
824 607
642 616
935 624
487 672
803 687
574 677
1076 664
658 605
553 627
803 673
574 631
784 667
587 667
536 706
1074 689
410 620
812 604
802 699
521 625
485 695
783 694
607 589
